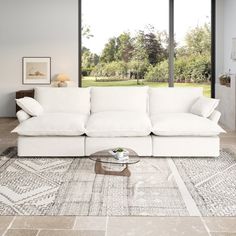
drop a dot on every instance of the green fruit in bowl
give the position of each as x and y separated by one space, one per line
119 150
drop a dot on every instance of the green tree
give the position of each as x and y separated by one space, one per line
139 52
163 37
154 46
86 54
124 47
89 60
109 51
158 73
86 31
193 61
198 40
137 69
150 45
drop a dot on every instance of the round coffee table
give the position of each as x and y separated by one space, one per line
105 157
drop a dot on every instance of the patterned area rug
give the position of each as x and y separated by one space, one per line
157 187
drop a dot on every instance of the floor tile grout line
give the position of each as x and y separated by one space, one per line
224 232
107 219
38 231
73 227
9 226
57 229
205 225
53 229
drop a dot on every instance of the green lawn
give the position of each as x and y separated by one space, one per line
90 81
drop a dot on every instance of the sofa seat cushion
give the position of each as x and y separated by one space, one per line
51 124
118 124
183 124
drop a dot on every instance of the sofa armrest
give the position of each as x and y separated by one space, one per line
22 116
215 116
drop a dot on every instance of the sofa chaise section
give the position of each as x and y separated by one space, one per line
178 132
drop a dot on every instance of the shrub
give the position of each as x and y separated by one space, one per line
112 69
137 69
86 71
158 73
193 69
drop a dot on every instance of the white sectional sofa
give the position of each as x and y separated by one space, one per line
151 121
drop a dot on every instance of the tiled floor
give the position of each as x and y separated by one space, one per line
113 226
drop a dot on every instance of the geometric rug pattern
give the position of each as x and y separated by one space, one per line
157 187
211 183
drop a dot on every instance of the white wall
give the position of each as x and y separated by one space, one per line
229 33
35 28
219 37
225 31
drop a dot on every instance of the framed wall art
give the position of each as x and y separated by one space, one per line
36 70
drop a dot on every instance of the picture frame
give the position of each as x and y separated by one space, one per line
36 70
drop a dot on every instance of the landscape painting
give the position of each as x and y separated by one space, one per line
36 70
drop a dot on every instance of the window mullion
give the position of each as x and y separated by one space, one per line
171 43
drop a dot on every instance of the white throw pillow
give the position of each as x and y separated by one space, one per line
204 106
22 116
30 106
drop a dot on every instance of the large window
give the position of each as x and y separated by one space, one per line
127 43
192 25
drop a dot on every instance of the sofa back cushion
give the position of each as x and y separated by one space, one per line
165 100
133 99
75 100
